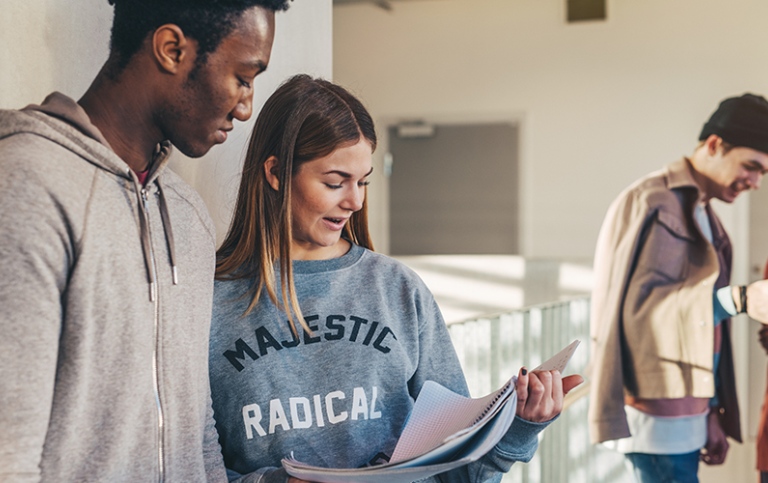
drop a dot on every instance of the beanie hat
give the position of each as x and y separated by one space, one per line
740 121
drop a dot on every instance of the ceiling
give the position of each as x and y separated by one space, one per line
385 4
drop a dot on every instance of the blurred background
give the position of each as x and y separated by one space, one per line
506 128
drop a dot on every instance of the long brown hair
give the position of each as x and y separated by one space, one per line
305 119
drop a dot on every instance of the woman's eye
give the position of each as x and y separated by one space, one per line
363 183
333 186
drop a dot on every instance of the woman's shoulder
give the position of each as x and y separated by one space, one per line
230 289
390 267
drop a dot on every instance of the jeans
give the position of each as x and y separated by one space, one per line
664 468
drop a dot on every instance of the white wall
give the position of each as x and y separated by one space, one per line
48 45
600 104
53 45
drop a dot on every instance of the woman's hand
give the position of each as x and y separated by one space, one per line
540 393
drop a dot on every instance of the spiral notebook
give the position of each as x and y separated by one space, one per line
444 431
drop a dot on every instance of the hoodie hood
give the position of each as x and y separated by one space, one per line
60 106
55 118
43 120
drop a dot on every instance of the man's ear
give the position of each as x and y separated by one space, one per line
171 48
713 143
270 172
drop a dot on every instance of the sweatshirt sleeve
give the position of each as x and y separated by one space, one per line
36 254
519 444
438 362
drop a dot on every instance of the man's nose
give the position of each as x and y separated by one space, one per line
244 108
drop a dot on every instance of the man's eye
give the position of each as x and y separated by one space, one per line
245 84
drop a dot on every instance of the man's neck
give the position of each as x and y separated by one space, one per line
702 181
122 115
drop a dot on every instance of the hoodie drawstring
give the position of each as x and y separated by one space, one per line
146 240
168 231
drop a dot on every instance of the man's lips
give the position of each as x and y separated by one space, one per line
221 134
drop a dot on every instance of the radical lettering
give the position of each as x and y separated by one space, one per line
305 412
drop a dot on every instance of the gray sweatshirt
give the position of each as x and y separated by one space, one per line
340 397
103 358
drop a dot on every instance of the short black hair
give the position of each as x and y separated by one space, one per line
206 21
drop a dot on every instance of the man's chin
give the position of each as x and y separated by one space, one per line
730 196
194 151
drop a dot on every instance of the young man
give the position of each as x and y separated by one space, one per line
663 390
107 257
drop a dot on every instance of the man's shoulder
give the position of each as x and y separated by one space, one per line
186 194
653 191
32 157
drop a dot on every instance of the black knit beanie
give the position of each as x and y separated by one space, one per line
740 121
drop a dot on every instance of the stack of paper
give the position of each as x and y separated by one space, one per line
444 431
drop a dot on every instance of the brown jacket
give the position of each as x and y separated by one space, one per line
652 329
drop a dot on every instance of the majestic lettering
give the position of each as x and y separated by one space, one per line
241 349
333 328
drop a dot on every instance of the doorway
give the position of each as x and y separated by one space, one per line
453 189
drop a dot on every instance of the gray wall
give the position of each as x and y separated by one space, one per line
455 191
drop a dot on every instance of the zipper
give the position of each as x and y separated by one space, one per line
156 328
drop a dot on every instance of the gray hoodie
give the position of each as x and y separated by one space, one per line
105 305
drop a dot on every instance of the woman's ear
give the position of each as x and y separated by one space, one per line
270 172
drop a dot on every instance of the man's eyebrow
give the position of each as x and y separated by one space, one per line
757 165
258 65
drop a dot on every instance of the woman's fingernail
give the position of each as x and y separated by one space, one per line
525 371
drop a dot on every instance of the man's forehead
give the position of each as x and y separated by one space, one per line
250 42
255 20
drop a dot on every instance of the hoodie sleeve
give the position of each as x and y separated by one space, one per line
214 462
36 255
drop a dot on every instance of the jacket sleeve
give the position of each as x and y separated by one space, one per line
617 246
36 254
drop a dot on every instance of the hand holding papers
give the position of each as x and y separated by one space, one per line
444 431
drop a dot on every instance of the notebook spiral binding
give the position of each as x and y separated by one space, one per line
490 405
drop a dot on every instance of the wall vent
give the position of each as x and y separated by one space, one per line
584 10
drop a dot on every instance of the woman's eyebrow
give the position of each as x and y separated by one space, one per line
344 174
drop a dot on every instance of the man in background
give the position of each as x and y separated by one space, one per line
663 390
107 257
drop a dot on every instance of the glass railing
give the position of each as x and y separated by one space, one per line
493 348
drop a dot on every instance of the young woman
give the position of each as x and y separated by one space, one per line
320 346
